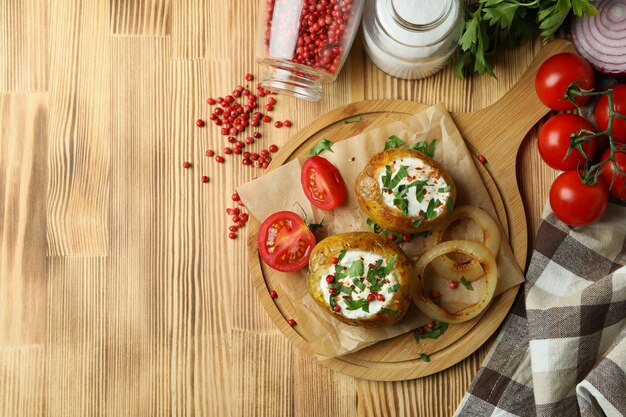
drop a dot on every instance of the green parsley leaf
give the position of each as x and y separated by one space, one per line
401 202
356 269
450 204
417 223
386 179
371 277
393 289
400 175
466 284
346 290
323 145
356 281
355 304
419 192
445 189
434 333
366 306
393 142
430 210
332 300
355 120
384 232
390 265
498 24
424 357
389 311
425 147
341 255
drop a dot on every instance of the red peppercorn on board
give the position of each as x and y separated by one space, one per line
496 145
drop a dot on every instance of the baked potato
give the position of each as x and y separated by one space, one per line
361 278
405 191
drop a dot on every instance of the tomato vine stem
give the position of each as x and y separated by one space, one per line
591 172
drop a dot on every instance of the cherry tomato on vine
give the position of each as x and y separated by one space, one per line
556 74
322 183
554 141
576 203
285 242
618 187
619 105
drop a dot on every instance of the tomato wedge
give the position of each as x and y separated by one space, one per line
285 242
322 183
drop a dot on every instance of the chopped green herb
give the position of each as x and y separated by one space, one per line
437 300
379 269
401 202
383 232
445 189
466 284
355 304
371 277
345 290
417 223
334 286
358 283
425 147
386 179
430 210
341 255
424 357
332 300
389 311
339 273
400 175
323 145
390 265
393 142
355 120
366 306
449 204
393 289
433 333
356 269
378 286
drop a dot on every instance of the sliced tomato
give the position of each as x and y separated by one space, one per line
285 242
322 183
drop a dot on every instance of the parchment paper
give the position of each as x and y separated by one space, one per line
281 190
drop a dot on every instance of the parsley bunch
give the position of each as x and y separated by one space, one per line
492 23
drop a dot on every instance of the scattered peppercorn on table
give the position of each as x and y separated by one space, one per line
124 287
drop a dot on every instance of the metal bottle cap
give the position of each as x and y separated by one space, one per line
420 14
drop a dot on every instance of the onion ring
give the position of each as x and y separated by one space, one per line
471 271
483 257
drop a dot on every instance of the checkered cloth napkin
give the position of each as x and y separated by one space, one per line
562 349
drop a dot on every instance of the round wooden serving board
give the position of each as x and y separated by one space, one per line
495 132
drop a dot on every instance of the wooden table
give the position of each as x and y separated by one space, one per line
120 293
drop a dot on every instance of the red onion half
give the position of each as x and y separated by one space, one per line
601 39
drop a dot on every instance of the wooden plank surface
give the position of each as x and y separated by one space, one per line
120 293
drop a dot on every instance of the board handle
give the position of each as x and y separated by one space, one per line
500 129
503 125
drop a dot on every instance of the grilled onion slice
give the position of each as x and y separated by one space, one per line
484 259
471 270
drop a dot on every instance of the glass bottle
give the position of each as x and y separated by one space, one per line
412 38
304 43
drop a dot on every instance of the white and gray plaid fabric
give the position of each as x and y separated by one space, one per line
562 349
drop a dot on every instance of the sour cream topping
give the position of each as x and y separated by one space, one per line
419 185
352 298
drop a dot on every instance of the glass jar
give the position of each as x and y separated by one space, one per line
305 43
412 38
